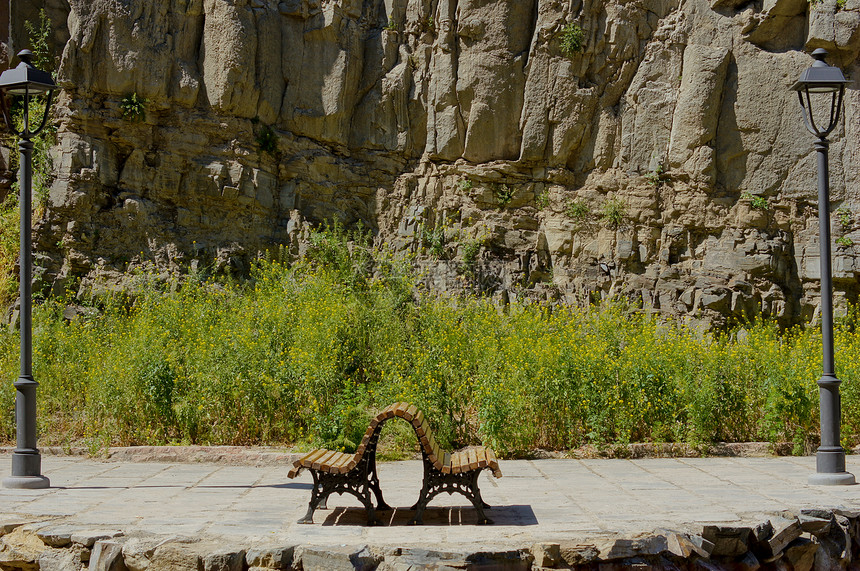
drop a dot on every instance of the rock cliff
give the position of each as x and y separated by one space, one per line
560 148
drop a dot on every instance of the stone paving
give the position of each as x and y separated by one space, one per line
536 500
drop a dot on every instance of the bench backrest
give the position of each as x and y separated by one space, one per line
465 460
473 458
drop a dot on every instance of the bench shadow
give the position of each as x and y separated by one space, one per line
518 515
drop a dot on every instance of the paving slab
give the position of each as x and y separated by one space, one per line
535 501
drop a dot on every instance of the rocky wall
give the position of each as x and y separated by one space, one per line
666 160
814 540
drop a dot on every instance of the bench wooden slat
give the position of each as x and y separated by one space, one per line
493 463
323 460
339 465
423 429
308 459
418 419
461 464
482 457
409 413
473 459
446 463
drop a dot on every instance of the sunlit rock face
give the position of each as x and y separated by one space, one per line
649 149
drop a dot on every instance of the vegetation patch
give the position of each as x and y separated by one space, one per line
572 40
133 107
303 353
267 139
577 210
504 194
613 212
756 202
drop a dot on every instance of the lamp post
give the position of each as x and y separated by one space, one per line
826 80
25 80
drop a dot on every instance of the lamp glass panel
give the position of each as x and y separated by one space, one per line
823 88
32 89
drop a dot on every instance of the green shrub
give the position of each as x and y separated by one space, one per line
133 107
304 353
658 176
845 218
577 210
41 43
504 194
844 241
572 40
542 200
613 212
756 202
267 139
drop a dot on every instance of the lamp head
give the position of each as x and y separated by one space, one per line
26 79
820 77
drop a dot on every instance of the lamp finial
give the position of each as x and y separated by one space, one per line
26 56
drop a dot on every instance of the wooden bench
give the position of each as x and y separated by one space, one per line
337 472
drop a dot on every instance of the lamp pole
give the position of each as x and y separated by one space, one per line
26 80
821 78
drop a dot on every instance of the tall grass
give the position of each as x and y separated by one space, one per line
304 353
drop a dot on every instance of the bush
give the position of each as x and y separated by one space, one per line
572 40
305 353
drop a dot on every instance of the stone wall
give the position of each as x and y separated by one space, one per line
666 161
818 540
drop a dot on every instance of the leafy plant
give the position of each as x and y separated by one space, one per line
613 212
577 210
657 177
542 199
469 251
40 42
572 39
844 241
756 202
504 194
133 107
267 139
434 240
392 25
840 4
465 185
845 218
430 23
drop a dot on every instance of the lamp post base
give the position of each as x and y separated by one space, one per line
26 482
26 471
832 479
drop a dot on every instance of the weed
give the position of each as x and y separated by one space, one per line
572 40
756 202
504 194
577 210
613 212
392 25
133 107
430 23
433 240
542 199
844 241
657 177
469 251
40 42
267 139
465 185
303 352
845 218
840 4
